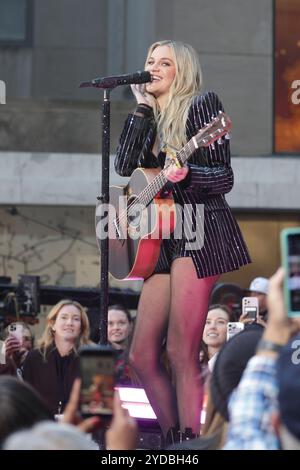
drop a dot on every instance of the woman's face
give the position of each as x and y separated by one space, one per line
67 324
161 65
215 329
118 326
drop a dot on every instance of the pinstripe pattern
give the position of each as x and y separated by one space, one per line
210 177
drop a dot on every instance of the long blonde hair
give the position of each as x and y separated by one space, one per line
47 338
186 85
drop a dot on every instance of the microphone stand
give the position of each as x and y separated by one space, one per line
108 84
104 199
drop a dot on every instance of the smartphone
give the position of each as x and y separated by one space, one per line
250 307
16 330
97 368
233 328
290 255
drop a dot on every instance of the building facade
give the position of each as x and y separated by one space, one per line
50 129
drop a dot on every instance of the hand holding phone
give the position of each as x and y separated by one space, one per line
290 255
123 431
16 330
97 366
250 308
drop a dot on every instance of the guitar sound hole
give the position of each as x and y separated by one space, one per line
134 218
134 213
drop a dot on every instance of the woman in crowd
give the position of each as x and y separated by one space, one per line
52 367
214 334
119 329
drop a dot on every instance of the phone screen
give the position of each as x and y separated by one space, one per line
97 366
251 312
293 270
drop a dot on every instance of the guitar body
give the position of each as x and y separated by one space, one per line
138 217
134 241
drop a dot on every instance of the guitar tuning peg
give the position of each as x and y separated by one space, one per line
227 136
220 141
212 146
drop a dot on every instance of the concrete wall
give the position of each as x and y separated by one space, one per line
74 179
69 46
234 42
75 40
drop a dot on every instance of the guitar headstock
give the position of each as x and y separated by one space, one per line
215 129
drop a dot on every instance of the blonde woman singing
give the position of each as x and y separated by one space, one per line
174 300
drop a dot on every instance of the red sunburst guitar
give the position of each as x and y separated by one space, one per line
139 217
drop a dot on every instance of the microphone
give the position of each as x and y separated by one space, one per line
114 81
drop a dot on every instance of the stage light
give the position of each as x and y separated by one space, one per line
136 402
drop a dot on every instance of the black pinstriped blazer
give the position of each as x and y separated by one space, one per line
210 176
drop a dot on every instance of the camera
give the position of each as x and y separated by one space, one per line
16 330
290 255
233 328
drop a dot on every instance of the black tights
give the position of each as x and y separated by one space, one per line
172 306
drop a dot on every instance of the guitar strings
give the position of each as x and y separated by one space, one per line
155 186
158 182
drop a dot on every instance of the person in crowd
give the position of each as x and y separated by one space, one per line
119 326
22 411
269 382
16 347
52 367
119 330
214 334
50 436
286 421
258 288
230 364
174 299
20 407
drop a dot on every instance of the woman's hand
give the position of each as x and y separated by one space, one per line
123 431
175 174
71 414
141 95
279 327
244 318
12 346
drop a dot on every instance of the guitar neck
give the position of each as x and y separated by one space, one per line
149 193
215 129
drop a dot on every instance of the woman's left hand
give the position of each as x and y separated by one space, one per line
175 174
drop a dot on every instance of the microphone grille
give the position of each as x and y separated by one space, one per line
143 77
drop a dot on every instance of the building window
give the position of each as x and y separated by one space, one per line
287 76
16 22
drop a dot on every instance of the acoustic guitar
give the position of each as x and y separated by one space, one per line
140 215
